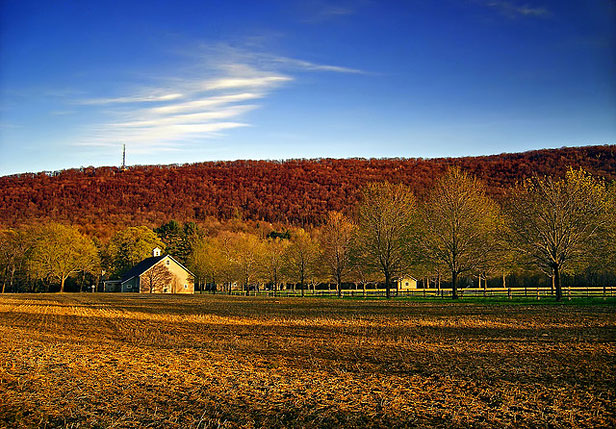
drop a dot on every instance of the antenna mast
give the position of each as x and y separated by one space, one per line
123 157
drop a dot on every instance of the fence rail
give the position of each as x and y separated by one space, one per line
509 292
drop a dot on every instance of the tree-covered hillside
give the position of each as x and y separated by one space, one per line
294 191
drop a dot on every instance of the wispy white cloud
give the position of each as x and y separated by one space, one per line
245 82
319 11
513 10
133 99
190 118
205 103
201 102
307 65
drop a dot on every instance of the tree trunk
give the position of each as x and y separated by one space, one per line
454 285
339 288
387 285
62 284
4 280
556 282
504 280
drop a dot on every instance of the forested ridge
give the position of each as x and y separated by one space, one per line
299 192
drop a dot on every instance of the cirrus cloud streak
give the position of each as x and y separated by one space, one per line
185 109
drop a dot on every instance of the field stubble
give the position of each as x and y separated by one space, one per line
83 360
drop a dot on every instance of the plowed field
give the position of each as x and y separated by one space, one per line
110 360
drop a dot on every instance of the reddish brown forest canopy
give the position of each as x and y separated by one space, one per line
294 191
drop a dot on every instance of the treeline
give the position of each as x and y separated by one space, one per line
557 226
296 192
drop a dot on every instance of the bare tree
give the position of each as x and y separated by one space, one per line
336 238
558 222
156 279
460 225
386 218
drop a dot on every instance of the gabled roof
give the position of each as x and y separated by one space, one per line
141 267
405 276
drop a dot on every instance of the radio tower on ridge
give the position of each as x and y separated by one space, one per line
123 157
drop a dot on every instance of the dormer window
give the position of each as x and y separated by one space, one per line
156 252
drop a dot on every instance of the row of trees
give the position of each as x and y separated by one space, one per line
551 224
554 225
52 252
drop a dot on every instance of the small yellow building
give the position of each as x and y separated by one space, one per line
407 283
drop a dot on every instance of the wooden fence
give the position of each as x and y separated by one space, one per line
510 292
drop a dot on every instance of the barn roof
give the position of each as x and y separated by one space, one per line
141 267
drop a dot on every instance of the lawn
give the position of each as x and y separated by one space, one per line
101 360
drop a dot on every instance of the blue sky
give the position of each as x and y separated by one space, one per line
194 81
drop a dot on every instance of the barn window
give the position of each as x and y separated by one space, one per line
167 261
185 286
406 284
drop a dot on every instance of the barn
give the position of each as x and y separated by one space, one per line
156 274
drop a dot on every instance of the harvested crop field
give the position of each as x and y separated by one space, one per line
103 360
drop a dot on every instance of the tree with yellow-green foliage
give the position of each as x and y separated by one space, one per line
60 251
15 249
246 252
556 223
386 226
207 261
273 261
130 246
336 238
301 257
460 226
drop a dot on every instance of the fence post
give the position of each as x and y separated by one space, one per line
509 292
538 298
569 293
